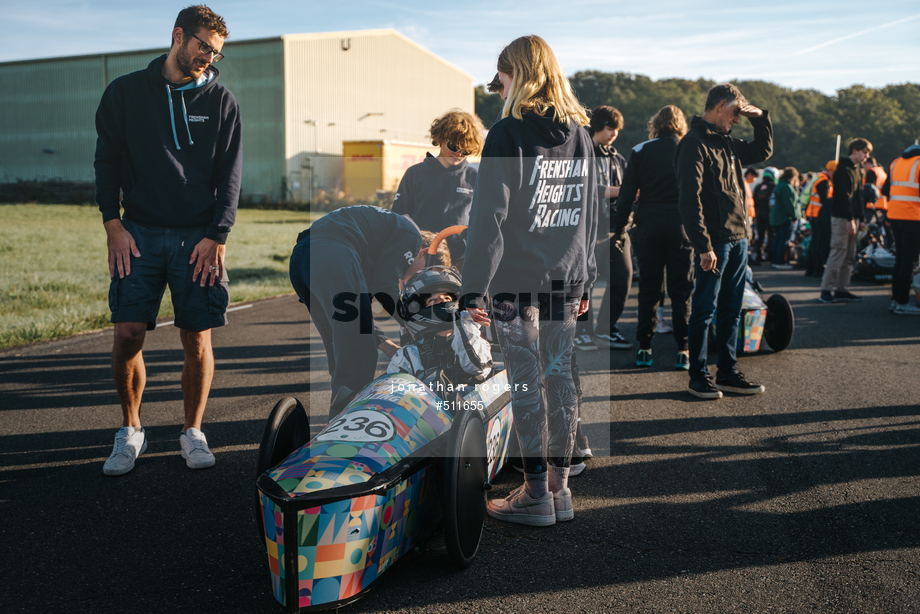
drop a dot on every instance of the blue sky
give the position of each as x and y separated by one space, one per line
823 45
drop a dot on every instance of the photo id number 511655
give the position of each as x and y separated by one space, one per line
463 405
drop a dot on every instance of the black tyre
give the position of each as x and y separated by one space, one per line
287 429
780 323
462 482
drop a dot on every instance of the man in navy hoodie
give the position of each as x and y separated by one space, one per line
169 141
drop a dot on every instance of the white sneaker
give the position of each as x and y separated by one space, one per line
195 449
562 505
907 310
520 508
893 305
130 442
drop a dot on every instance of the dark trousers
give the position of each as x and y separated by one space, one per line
661 247
811 261
763 228
720 294
621 272
781 233
349 337
824 238
906 257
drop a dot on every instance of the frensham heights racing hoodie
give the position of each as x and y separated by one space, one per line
175 152
534 215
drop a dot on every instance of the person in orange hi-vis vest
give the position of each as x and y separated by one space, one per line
875 174
903 192
750 176
818 213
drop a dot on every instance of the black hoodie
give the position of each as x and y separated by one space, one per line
436 197
534 216
175 152
709 168
847 202
651 169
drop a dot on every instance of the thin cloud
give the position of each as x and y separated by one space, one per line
854 35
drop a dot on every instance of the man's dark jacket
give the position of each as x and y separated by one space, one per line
709 169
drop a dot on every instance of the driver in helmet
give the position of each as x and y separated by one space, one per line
444 341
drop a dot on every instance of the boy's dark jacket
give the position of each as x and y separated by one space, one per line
436 197
847 202
534 217
175 153
709 169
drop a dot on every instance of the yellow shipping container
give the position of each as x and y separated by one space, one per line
369 166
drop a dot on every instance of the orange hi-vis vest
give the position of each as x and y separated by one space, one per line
814 204
904 189
880 177
749 199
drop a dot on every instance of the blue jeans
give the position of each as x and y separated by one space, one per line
723 296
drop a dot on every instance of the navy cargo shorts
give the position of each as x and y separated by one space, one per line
165 254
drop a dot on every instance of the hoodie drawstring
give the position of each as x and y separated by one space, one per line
172 116
185 116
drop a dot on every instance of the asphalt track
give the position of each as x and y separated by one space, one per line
804 499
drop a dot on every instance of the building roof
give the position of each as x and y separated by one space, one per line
283 37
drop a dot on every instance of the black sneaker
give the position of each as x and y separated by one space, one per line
585 343
704 389
736 383
614 340
847 297
827 297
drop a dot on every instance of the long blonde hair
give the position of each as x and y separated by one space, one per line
537 82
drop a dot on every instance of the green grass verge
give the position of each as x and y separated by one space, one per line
54 278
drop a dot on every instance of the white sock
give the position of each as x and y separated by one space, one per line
558 478
535 484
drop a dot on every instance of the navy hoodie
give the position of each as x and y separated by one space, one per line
534 216
436 197
385 243
175 152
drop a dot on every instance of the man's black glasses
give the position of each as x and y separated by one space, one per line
206 48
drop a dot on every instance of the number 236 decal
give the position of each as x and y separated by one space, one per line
359 426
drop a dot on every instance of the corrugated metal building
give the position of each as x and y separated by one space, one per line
300 95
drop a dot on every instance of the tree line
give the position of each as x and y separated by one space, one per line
805 122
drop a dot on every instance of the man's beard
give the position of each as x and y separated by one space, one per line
186 63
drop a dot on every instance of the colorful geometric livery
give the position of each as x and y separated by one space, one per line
753 319
363 492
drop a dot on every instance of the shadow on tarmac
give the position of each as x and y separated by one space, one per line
166 538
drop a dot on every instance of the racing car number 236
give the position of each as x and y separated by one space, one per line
359 426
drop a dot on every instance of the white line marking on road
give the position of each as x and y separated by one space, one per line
228 311
100 459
